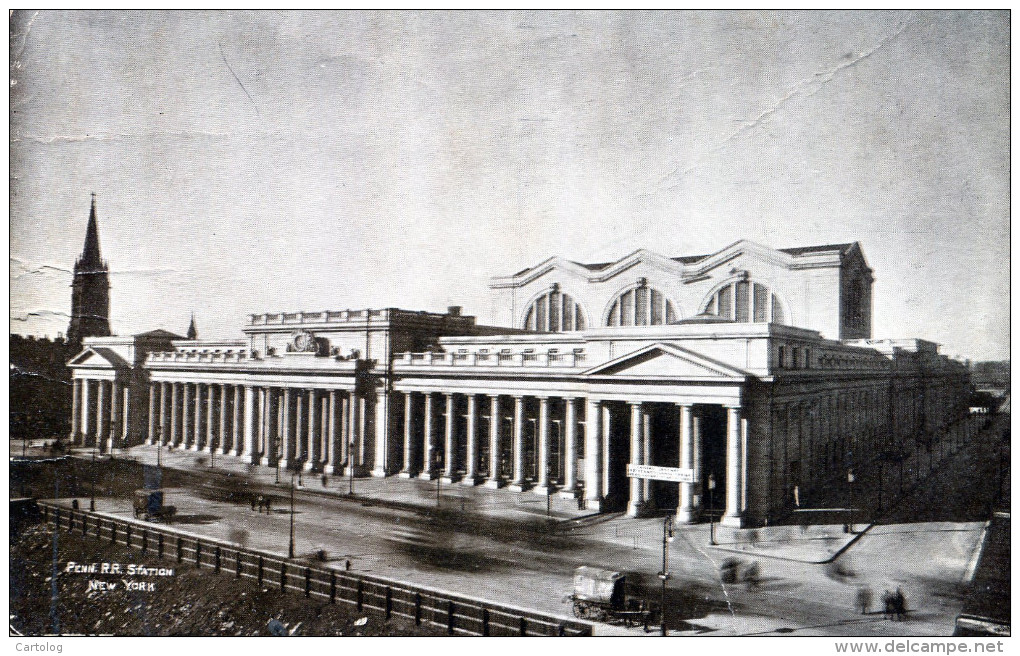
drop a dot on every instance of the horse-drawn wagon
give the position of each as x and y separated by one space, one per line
149 504
601 595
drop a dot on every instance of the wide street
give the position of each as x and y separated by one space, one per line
502 547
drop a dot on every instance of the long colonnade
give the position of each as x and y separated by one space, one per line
453 435
312 429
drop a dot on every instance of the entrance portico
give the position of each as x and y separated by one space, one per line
574 431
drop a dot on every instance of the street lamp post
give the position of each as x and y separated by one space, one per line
437 463
711 508
850 486
92 498
664 575
350 468
290 547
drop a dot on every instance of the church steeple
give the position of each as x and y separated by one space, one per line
192 331
90 255
90 291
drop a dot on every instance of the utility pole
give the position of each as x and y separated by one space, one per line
664 575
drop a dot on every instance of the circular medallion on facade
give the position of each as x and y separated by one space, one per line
304 342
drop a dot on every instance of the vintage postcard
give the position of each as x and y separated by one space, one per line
685 324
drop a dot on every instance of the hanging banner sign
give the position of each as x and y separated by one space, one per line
674 474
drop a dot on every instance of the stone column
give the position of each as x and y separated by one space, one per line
569 448
685 512
125 412
226 443
211 419
357 412
381 426
426 456
607 422
169 424
471 435
449 443
646 452
494 439
153 417
300 434
250 450
637 497
101 413
116 394
592 455
198 419
517 484
75 435
187 404
175 437
260 449
332 453
325 431
407 470
345 430
543 446
86 426
237 423
734 469
314 453
286 435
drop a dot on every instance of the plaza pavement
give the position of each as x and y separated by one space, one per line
501 546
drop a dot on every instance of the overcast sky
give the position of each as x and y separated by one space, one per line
253 162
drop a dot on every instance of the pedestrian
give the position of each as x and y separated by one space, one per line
900 605
887 603
325 480
253 502
261 501
269 501
347 565
864 599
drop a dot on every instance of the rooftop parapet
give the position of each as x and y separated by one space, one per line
548 359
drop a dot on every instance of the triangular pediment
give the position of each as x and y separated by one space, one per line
100 358
666 361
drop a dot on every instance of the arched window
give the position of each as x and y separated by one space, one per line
744 301
641 306
554 312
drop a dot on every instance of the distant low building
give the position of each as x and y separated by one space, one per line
751 370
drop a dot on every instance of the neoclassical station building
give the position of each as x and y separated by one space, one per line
751 370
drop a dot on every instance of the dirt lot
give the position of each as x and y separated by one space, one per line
189 603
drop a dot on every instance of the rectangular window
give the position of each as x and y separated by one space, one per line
554 312
761 303
656 308
627 309
742 302
641 306
726 302
807 358
795 352
540 316
781 357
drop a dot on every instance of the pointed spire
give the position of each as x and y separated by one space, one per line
90 255
192 331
